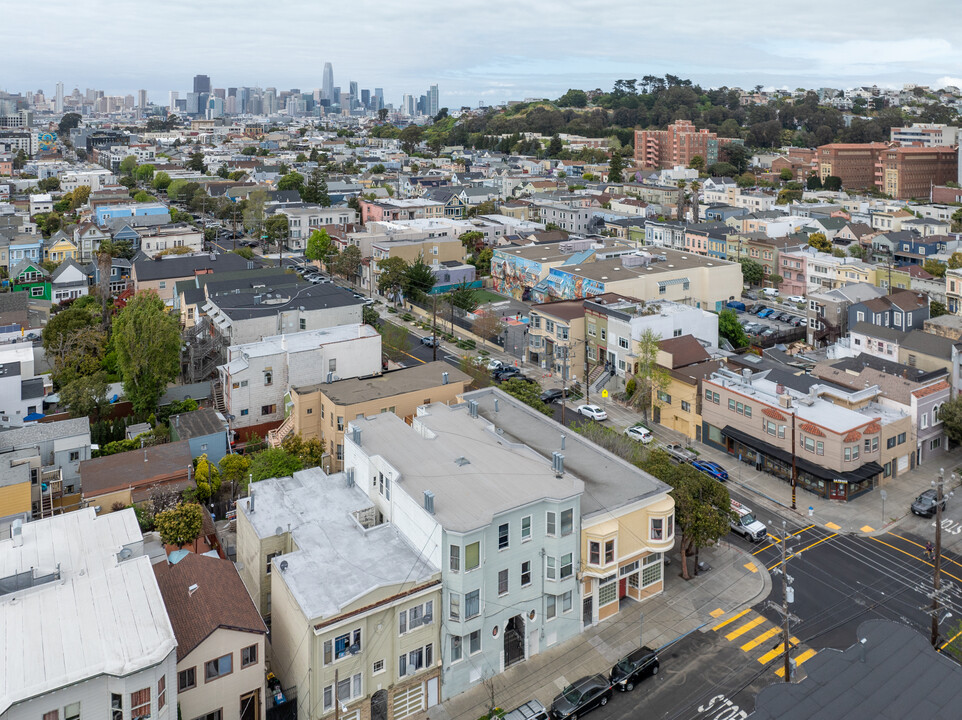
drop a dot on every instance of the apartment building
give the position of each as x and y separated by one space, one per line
910 172
354 607
303 219
854 163
162 274
21 391
400 209
925 135
87 633
258 376
323 410
677 145
846 441
828 311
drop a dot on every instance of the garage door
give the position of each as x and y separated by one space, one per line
409 702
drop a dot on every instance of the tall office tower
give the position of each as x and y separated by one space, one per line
142 99
193 101
172 99
336 95
129 101
378 98
58 101
202 84
366 99
221 93
433 104
353 94
90 95
345 102
215 107
269 105
244 96
230 106
423 105
327 82
407 105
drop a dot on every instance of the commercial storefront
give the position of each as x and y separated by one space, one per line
824 482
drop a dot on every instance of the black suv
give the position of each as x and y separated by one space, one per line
581 696
505 373
925 503
552 395
634 667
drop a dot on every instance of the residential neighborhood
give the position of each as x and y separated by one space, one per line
377 403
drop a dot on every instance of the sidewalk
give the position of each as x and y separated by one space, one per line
684 607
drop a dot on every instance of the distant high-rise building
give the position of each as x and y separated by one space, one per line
433 104
172 100
202 84
269 102
58 99
231 92
142 99
378 98
327 82
353 93
221 93
193 103
407 105
366 99
215 107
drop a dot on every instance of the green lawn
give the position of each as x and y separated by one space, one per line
486 296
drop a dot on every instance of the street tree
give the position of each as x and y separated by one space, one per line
752 272
103 256
650 377
81 194
487 326
615 167
233 469
395 341
195 162
935 268
462 297
181 525
146 338
128 165
950 414
320 247
276 228
347 264
392 277
702 511
291 181
473 240
144 173
730 329
253 213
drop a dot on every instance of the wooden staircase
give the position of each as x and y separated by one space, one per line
276 436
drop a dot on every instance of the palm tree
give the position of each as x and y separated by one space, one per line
695 187
104 254
681 199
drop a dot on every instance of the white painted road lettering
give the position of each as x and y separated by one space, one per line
721 708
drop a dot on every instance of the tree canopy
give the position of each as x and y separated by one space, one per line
753 273
730 329
180 525
147 340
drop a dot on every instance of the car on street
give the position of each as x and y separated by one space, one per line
796 299
504 373
770 292
639 433
633 668
592 411
746 524
679 452
552 395
581 696
712 469
494 364
531 710
926 505
430 340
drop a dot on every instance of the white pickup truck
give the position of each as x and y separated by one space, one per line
679 452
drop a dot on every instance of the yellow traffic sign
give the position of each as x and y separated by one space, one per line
604 393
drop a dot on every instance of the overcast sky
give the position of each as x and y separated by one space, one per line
477 50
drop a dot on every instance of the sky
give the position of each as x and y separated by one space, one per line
478 50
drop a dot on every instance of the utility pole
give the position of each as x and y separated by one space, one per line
786 635
337 700
937 564
434 328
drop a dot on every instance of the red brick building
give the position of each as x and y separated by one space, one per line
657 149
910 172
854 163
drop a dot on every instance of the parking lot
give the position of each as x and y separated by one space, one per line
764 320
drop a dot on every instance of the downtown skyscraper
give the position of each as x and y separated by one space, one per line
327 83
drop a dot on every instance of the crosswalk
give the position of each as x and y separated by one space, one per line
759 637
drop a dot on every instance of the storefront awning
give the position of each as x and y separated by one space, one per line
863 472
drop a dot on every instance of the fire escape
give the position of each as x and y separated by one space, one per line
201 352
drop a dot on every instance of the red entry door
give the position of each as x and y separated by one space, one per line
622 587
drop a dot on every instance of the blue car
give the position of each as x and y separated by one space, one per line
766 312
711 468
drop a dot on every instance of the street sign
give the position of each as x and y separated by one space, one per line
604 393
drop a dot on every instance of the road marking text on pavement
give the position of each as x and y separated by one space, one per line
732 619
721 708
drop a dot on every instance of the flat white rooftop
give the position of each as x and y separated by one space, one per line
102 615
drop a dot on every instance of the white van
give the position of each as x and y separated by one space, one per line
770 292
746 524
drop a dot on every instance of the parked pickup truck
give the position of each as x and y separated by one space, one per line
679 452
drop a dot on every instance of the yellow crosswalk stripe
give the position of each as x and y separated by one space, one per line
732 619
772 654
752 644
807 655
742 629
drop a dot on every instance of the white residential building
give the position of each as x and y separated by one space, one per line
303 219
86 634
21 392
258 376
95 179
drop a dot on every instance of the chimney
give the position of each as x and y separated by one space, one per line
429 501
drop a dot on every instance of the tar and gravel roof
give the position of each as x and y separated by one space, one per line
389 384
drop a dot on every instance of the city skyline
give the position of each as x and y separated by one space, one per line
784 49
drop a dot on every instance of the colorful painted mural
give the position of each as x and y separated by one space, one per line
514 276
562 285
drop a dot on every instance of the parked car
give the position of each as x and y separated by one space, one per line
679 452
766 312
581 696
633 668
531 710
639 433
494 365
552 395
592 411
746 524
431 341
712 469
770 292
736 305
797 321
926 505
796 299
503 373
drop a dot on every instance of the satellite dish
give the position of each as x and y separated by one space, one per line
283 565
278 530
